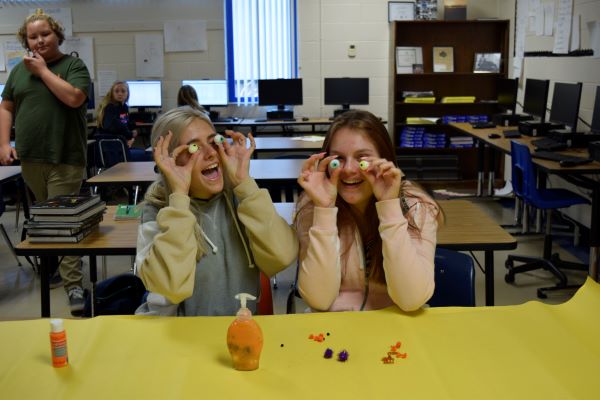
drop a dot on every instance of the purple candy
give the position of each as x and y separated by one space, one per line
328 353
343 356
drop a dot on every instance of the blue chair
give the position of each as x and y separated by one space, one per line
546 200
454 280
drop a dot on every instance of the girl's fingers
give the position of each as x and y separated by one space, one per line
252 142
179 149
310 164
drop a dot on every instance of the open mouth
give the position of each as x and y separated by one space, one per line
211 172
352 182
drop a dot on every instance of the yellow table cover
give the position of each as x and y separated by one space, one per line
529 351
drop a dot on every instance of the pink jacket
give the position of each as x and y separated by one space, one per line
325 284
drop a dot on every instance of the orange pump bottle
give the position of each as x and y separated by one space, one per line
244 337
58 343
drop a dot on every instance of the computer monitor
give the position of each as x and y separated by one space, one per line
565 104
346 91
280 93
536 97
143 94
211 93
595 128
507 94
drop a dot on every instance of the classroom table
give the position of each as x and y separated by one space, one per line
574 175
532 351
467 227
112 238
293 144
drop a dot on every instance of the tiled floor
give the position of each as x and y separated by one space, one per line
20 288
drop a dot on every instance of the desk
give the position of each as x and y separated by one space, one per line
288 144
574 175
112 238
531 350
135 173
467 228
11 173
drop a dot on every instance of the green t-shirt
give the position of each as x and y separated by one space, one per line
46 129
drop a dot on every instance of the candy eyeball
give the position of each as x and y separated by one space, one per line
333 164
219 139
192 148
363 165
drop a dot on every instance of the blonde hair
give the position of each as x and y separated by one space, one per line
175 121
109 99
40 15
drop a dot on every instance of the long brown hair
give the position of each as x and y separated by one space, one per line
348 221
187 96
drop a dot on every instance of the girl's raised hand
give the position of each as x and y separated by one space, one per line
235 156
313 178
383 176
178 177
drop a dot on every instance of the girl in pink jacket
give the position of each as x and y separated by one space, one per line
367 236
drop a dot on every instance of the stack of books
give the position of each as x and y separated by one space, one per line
419 137
458 99
64 219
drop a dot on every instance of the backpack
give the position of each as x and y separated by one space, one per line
119 295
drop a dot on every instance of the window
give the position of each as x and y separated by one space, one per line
261 44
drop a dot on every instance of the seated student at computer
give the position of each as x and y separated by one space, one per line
113 120
367 236
187 96
207 230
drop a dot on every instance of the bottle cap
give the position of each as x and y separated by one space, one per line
56 325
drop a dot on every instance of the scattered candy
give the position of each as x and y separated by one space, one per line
281 344
328 353
192 148
343 356
219 139
333 164
389 359
363 165
317 338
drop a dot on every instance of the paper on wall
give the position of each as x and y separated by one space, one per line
149 56
548 19
2 62
13 53
185 35
575 29
594 29
563 26
105 80
81 47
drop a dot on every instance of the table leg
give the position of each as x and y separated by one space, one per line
93 279
45 286
480 167
489 278
595 233
491 172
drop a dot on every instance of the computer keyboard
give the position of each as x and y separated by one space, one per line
275 120
548 144
483 125
563 159
512 134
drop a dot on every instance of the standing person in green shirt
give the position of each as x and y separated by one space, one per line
45 96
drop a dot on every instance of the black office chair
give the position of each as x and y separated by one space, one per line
111 150
454 280
546 200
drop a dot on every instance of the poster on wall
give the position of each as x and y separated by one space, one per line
81 47
188 35
2 62
62 16
149 56
13 53
426 9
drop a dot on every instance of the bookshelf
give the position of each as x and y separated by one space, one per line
466 38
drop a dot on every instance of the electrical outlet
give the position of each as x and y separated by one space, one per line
351 51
